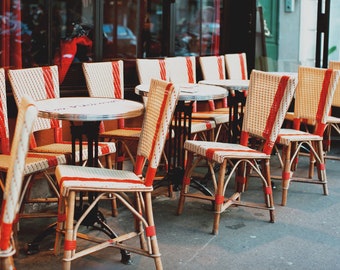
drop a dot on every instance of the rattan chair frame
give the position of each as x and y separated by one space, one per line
268 100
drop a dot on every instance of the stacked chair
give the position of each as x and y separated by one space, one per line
43 83
213 68
162 100
269 97
26 118
312 104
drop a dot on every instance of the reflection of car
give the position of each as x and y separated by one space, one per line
126 41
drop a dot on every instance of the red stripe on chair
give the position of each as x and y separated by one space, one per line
219 199
190 70
3 133
49 88
104 148
243 69
116 80
139 164
244 138
150 231
6 232
220 67
162 70
268 190
322 166
61 217
285 176
323 94
319 129
70 245
208 125
186 180
150 177
211 105
52 161
275 107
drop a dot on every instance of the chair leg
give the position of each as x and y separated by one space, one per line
185 182
70 240
60 226
268 191
219 197
286 172
321 167
154 243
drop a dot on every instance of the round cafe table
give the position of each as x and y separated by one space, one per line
85 115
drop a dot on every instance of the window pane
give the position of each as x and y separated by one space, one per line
119 29
197 27
152 30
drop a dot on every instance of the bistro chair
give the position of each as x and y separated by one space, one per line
267 102
313 99
236 65
27 114
162 100
333 122
106 79
42 83
38 166
182 71
213 68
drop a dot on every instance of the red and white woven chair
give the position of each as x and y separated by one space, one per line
267 102
182 70
213 68
106 79
313 99
38 166
43 83
26 118
236 65
333 121
162 100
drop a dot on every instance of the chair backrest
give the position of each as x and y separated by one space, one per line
26 118
38 83
148 69
314 95
105 79
336 97
236 64
162 100
213 67
268 99
182 69
4 130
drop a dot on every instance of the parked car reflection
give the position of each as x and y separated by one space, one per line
125 44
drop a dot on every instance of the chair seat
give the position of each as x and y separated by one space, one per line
34 162
201 126
286 136
98 179
133 133
218 117
66 149
333 120
219 151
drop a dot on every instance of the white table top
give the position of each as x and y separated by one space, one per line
88 108
191 91
229 84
